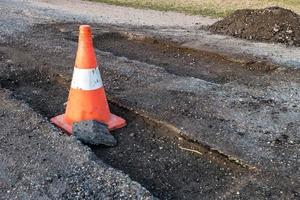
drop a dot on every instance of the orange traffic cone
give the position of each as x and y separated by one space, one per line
87 99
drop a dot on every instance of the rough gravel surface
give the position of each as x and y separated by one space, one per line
252 117
38 162
178 27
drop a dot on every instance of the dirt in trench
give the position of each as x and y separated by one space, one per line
180 61
174 59
169 167
272 24
37 89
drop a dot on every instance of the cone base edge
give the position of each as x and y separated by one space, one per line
115 122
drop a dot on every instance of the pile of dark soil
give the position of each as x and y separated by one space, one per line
273 24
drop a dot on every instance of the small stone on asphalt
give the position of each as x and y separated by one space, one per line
131 135
94 133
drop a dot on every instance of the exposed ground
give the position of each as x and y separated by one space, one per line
186 30
149 152
273 24
201 124
31 164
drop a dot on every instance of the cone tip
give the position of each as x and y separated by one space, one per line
85 29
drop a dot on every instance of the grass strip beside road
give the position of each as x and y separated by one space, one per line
212 8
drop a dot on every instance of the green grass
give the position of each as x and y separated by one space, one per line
213 8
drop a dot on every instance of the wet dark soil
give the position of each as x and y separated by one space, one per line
177 60
37 89
167 165
174 59
273 24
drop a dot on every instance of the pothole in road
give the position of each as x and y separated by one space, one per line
152 155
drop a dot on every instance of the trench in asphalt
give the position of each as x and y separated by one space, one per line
151 153
175 59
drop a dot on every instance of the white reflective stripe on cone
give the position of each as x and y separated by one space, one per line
86 79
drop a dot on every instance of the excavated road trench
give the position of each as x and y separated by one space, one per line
151 152
177 60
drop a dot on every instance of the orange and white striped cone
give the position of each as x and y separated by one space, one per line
87 99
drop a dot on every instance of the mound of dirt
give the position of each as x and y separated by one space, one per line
272 24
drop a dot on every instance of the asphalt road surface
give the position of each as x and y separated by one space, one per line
237 101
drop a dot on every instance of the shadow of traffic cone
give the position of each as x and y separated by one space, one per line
87 99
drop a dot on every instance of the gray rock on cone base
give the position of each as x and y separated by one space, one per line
94 133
